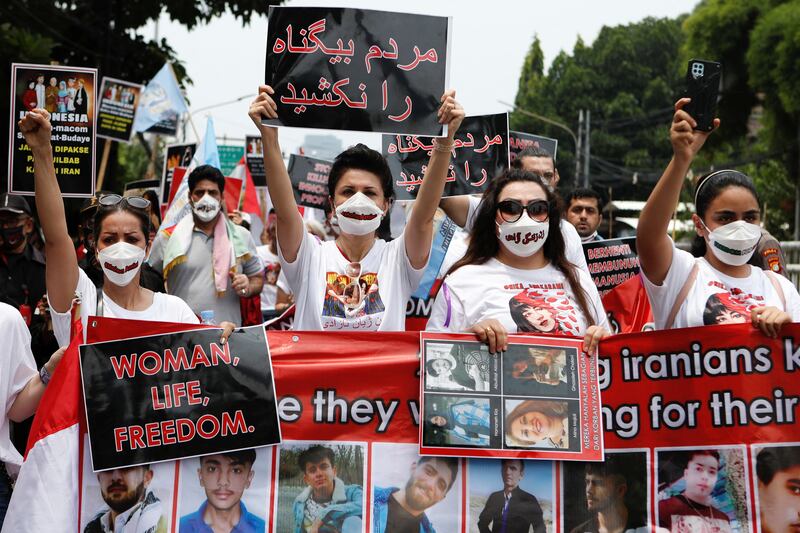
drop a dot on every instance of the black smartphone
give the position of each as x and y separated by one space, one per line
703 79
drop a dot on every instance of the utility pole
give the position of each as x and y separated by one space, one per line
579 148
587 133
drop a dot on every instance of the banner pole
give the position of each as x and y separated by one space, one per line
101 174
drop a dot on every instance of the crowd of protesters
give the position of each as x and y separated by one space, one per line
519 267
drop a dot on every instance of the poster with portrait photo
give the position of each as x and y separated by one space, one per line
177 155
254 158
702 489
776 476
431 484
461 421
530 370
461 366
68 94
322 485
615 491
541 424
149 487
117 109
531 485
223 482
542 394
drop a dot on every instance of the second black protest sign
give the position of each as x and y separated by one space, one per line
178 395
518 141
481 153
309 180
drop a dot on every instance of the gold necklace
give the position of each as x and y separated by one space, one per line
708 521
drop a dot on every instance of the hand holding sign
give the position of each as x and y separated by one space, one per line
450 113
36 128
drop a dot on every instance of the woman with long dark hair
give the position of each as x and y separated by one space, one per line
515 276
718 286
122 238
326 277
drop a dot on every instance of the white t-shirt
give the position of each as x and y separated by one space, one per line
538 300
327 297
573 247
274 278
714 297
165 308
17 367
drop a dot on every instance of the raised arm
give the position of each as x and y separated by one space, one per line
457 208
652 242
290 227
419 229
62 263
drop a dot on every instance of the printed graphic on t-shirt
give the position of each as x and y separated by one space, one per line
699 524
352 297
732 307
545 308
271 273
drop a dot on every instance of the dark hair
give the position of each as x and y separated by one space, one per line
532 151
484 244
611 466
691 455
206 172
449 462
429 369
583 192
521 463
714 308
770 461
315 454
104 211
362 157
708 187
151 195
245 457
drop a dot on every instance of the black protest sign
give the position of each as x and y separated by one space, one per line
518 141
357 69
117 108
254 157
611 262
309 180
480 154
178 155
68 93
178 395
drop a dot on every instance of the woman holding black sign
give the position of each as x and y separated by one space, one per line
515 276
359 281
121 236
719 287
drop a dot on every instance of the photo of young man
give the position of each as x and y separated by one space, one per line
607 496
778 473
511 510
130 504
693 490
320 488
413 493
224 478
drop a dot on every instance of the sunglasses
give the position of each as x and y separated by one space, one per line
137 202
511 210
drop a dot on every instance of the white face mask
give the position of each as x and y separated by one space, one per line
734 243
120 262
524 237
206 208
359 215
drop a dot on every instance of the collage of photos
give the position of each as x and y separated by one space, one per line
525 398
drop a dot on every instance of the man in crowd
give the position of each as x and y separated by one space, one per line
511 510
693 510
224 477
778 471
327 504
584 210
207 242
22 285
131 507
606 489
397 510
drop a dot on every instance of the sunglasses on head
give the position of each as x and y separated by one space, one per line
110 200
511 210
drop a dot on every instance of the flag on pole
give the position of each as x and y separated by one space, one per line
248 201
160 104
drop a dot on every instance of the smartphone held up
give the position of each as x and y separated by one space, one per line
703 80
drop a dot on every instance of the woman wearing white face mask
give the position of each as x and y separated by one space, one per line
515 276
359 281
121 236
718 287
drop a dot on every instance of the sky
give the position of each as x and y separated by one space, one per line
489 44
